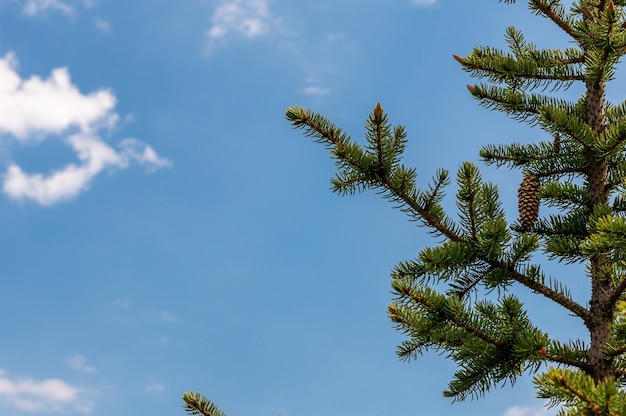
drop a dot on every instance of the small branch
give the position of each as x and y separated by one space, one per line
569 361
549 13
617 293
549 293
581 396
617 352
454 319
431 221
620 372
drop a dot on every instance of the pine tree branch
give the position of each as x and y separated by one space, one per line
579 394
422 300
549 293
501 72
195 404
325 132
517 104
616 353
617 293
621 372
569 361
476 378
430 219
592 406
299 118
546 10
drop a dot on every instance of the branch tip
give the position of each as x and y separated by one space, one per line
378 110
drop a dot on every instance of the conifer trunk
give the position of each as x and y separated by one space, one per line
601 312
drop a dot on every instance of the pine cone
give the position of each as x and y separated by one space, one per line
528 202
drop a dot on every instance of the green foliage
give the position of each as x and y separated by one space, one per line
579 394
195 404
491 342
457 297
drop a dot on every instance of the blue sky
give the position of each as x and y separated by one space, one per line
165 230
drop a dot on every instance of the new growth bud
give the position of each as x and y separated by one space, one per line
378 110
459 59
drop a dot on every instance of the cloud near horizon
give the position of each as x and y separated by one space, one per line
50 395
34 109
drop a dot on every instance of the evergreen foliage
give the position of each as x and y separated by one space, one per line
440 301
196 404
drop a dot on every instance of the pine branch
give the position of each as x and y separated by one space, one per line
423 212
370 174
523 71
547 9
617 293
579 394
450 315
195 404
571 355
616 353
581 172
549 293
519 105
568 361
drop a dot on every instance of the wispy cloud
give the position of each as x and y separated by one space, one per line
35 396
315 90
79 363
102 25
244 18
167 317
528 411
37 7
155 388
34 109
423 2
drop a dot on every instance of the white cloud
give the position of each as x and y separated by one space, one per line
102 25
33 8
79 363
167 317
121 303
155 388
50 395
247 18
36 7
34 109
423 2
527 411
316 90
133 149
32 106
